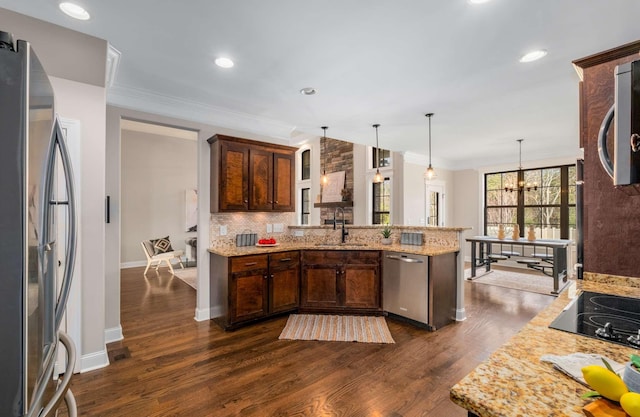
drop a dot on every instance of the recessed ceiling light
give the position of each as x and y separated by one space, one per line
224 62
533 55
478 1
75 11
308 91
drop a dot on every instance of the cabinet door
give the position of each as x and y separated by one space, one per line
319 286
260 180
248 296
248 288
233 180
284 286
361 286
283 182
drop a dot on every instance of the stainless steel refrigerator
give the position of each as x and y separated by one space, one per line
31 303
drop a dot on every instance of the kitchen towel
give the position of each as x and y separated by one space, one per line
572 364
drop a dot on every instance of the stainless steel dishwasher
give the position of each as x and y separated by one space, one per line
415 288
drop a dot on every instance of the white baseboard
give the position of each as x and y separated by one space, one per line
202 314
93 361
113 334
461 314
132 264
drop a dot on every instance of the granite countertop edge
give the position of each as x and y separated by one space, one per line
256 250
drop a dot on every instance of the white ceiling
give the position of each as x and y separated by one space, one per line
373 61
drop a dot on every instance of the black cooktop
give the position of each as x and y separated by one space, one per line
603 316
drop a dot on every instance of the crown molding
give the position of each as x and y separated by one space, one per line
113 61
150 102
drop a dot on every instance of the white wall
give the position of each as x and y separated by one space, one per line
113 329
467 195
87 103
156 172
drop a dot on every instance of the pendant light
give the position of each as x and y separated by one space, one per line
378 177
521 184
430 172
324 180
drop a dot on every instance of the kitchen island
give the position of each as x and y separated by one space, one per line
514 382
258 282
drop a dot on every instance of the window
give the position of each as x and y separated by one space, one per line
305 164
381 202
382 159
305 209
434 207
550 209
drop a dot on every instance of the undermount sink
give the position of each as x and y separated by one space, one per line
341 244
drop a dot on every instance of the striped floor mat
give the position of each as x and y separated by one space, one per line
332 328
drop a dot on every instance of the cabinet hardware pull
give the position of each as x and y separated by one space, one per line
270 202
276 201
265 277
250 263
285 259
246 201
272 276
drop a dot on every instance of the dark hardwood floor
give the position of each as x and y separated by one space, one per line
170 365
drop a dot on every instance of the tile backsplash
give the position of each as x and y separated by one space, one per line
245 222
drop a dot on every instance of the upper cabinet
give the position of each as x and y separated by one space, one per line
248 175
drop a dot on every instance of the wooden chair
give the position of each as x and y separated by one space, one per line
167 257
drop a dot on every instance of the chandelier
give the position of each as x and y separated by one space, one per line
521 185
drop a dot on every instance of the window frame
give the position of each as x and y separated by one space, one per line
521 205
386 180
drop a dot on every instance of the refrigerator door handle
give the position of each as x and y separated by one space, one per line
63 387
70 255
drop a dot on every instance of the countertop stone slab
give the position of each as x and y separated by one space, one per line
255 250
514 382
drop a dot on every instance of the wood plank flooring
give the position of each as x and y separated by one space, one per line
180 367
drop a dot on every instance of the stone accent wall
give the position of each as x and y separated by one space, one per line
337 155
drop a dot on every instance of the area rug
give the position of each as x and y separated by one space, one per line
538 283
188 275
333 328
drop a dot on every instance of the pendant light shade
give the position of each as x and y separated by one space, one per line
324 180
378 177
430 172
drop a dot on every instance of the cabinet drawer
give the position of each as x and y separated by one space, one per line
285 260
249 263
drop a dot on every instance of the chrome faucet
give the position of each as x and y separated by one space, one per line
345 232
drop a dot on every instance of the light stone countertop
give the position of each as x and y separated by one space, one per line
409 249
514 382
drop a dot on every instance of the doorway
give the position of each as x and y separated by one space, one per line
158 192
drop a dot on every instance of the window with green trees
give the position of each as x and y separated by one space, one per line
546 201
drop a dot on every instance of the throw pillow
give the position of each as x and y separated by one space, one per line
161 245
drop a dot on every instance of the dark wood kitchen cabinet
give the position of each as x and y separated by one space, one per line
256 286
341 282
248 175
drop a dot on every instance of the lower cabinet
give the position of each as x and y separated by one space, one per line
258 286
341 281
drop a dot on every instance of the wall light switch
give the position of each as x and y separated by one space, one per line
223 230
278 227
269 228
